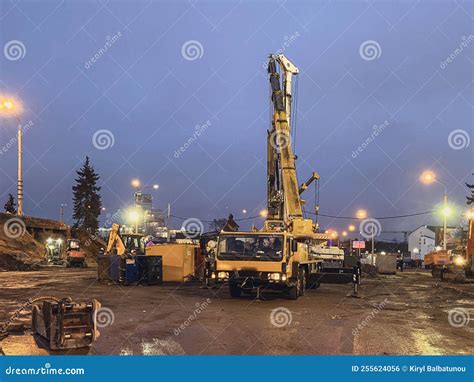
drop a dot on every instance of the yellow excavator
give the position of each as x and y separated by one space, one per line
119 244
279 256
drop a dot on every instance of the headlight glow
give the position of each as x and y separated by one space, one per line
274 276
459 261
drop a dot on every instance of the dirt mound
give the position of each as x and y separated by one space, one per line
18 249
90 244
22 241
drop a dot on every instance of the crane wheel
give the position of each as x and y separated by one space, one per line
302 281
235 291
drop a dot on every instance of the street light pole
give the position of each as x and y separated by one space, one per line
11 108
20 171
373 234
429 177
445 216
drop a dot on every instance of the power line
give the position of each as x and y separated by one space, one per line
377 218
323 215
211 221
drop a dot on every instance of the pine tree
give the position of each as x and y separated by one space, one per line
470 198
10 205
86 197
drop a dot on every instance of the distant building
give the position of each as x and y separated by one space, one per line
422 241
153 218
426 238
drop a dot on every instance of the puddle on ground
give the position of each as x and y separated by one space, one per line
126 351
157 346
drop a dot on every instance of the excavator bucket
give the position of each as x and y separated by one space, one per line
66 324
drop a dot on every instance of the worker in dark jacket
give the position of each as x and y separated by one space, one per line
231 225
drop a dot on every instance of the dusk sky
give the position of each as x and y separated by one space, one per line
403 66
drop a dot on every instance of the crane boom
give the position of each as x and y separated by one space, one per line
284 202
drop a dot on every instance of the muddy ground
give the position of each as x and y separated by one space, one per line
410 313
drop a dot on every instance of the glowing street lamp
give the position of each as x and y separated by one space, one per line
429 177
361 214
134 217
11 108
344 233
135 183
352 227
263 213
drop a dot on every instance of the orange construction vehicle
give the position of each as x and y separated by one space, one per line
74 256
449 265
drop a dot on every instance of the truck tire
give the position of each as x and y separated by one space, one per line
293 292
302 280
235 291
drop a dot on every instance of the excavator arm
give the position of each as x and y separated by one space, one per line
115 242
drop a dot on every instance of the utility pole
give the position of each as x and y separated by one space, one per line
373 231
20 172
168 233
445 221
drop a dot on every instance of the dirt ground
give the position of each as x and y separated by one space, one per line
410 313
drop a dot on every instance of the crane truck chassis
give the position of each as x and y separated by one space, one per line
276 261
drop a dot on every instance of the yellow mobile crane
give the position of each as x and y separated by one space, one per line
279 256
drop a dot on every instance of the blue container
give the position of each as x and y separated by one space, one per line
114 264
132 272
151 269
